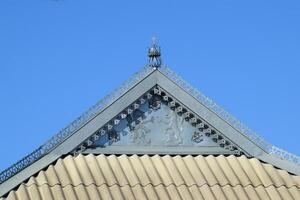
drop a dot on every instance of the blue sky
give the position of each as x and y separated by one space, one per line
57 58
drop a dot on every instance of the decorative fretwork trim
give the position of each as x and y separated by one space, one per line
158 94
238 125
75 125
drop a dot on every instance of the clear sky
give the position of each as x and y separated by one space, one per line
58 58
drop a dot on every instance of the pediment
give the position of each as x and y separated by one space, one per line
158 123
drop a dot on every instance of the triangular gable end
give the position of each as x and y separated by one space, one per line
157 123
155 112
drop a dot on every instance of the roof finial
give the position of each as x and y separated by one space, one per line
154 59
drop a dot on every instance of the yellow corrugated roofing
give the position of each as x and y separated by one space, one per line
159 177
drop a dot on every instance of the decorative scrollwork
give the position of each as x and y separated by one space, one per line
113 136
174 129
197 137
139 134
155 103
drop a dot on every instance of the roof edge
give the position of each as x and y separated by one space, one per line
229 118
68 131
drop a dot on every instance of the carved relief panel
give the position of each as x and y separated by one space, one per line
157 120
155 124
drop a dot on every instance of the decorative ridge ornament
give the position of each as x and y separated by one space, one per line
154 53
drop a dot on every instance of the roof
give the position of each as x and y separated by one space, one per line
159 177
97 130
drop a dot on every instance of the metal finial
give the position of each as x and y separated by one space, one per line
154 53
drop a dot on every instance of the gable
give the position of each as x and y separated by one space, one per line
128 122
157 123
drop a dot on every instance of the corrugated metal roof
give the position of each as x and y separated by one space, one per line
159 177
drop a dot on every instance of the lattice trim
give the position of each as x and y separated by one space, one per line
230 119
75 125
158 94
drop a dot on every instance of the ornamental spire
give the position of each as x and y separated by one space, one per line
154 59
